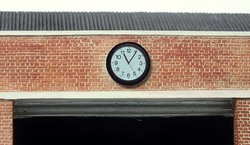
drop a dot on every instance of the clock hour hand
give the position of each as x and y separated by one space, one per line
128 62
126 58
132 57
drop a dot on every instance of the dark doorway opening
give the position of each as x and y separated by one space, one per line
123 131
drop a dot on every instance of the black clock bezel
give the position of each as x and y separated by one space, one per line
130 82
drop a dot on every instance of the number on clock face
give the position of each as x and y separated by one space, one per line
128 63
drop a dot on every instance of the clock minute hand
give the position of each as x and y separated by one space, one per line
132 57
128 62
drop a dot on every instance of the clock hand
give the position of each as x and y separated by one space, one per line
132 57
126 58
131 67
129 61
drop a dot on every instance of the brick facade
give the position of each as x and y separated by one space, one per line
77 63
242 122
6 122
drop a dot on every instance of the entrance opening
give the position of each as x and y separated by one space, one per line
123 131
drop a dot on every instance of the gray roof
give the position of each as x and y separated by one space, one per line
58 21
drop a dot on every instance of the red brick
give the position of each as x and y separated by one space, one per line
84 57
241 122
6 122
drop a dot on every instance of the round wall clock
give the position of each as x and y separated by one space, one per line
128 63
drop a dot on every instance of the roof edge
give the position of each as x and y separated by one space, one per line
124 12
126 32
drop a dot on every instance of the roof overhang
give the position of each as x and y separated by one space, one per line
125 32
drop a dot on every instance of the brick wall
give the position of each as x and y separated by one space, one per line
242 122
77 63
6 122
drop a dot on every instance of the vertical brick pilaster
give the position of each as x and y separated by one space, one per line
242 122
6 122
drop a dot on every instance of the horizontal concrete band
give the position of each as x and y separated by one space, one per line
121 32
127 94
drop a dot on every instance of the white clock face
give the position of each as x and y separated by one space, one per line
128 63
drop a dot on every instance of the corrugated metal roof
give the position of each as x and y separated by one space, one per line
58 21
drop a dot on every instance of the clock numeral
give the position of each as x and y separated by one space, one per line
128 75
122 52
139 56
116 62
139 69
134 73
141 63
117 69
129 50
122 73
118 56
